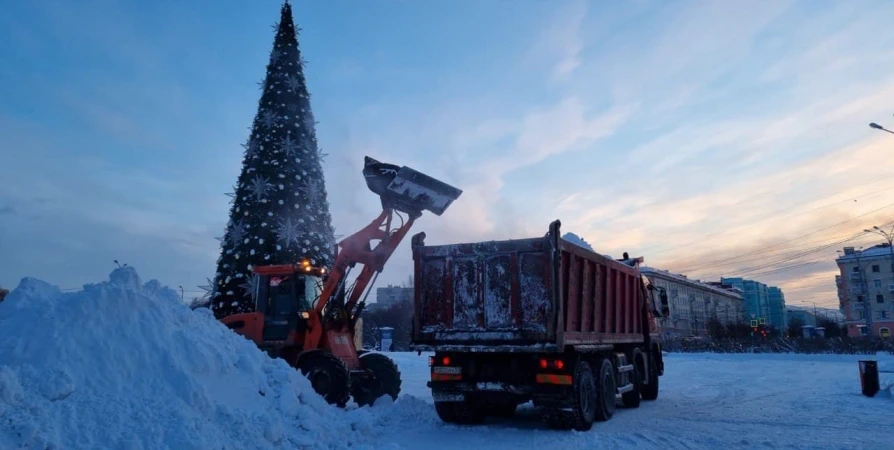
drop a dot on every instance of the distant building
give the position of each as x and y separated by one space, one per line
758 304
693 303
807 317
866 290
778 315
391 295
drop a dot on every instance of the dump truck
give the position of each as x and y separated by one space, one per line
539 320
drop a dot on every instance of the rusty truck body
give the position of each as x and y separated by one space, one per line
539 319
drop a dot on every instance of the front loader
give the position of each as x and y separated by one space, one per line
307 315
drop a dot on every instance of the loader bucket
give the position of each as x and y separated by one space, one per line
407 190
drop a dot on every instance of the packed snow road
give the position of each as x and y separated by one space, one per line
706 401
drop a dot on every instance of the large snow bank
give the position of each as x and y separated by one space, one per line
127 365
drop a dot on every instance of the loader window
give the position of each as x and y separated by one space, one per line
282 295
311 289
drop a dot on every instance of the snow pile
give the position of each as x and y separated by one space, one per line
127 365
578 241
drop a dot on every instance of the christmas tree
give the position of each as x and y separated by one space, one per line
280 211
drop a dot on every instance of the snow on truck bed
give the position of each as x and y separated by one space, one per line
127 365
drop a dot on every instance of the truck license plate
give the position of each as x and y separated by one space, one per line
439 397
448 370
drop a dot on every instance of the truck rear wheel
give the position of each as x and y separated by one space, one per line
606 390
327 375
650 390
631 398
583 402
502 410
384 379
446 411
465 412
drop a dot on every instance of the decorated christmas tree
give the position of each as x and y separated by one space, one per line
280 211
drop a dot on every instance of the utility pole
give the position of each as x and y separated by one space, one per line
889 237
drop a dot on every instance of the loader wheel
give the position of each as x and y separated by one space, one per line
385 379
650 391
606 391
328 376
585 405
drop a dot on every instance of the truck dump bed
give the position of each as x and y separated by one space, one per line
541 293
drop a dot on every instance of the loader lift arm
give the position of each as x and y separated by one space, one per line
359 248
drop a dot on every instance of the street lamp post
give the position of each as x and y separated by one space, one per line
880 128
889 237
815 314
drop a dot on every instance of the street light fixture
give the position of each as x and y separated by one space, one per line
879 127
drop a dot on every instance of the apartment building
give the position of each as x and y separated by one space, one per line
391 295
866 290
758 304
693 303
778 314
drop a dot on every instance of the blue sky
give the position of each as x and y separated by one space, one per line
689 132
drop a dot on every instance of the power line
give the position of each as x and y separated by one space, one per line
697 267
771 215
758 269
784 252
802 254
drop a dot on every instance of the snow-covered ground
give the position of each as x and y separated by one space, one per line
126 365
706 402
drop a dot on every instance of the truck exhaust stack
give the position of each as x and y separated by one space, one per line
407 190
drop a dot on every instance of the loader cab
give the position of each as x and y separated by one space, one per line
285 296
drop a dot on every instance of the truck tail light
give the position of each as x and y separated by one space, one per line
445 361
557 364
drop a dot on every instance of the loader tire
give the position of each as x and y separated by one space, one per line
385 379
327 375
606 390
650 391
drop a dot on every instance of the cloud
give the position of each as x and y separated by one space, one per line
7 210
562 41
